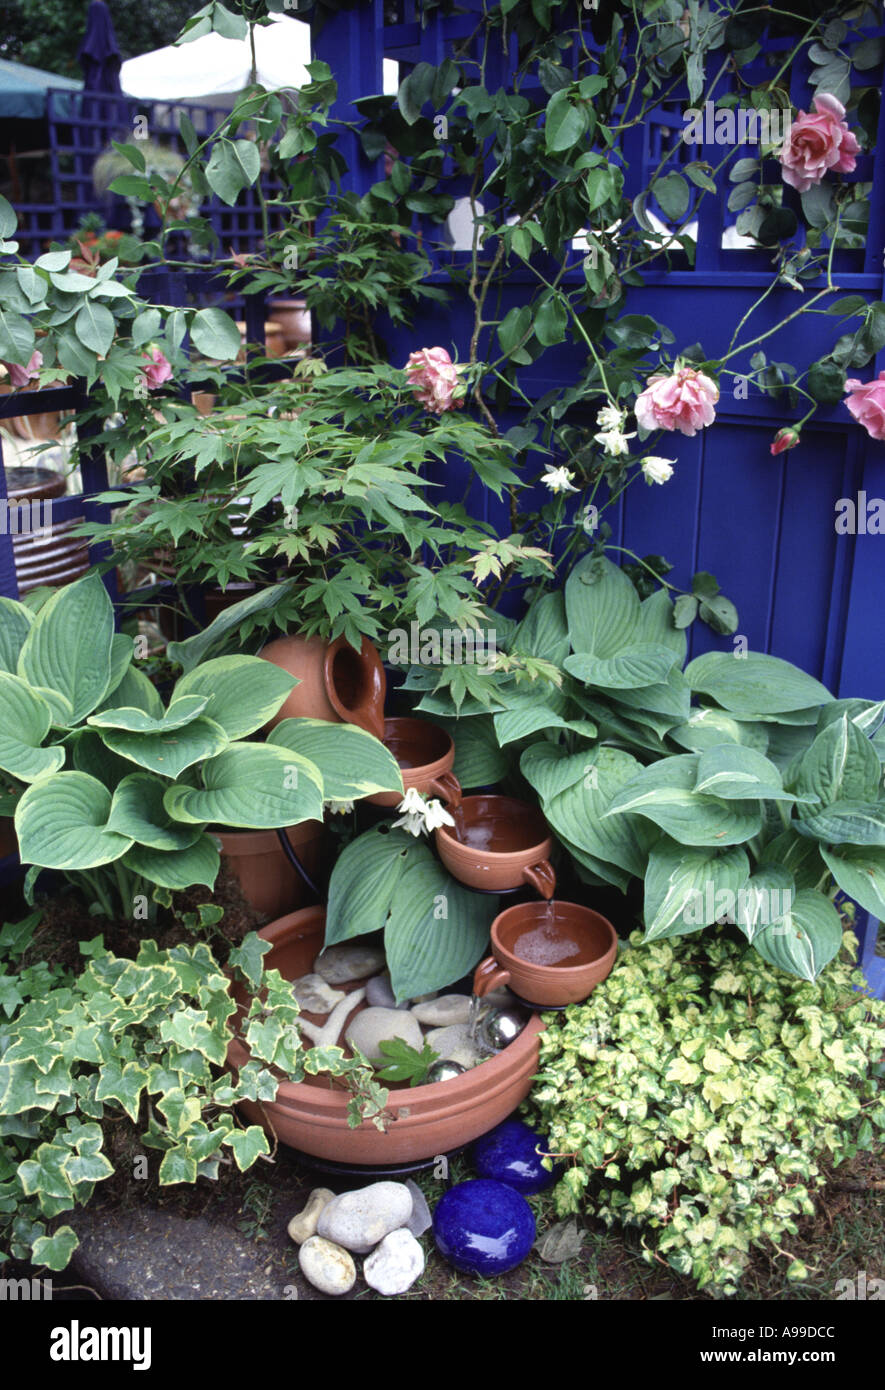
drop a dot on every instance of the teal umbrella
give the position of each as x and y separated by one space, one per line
23 90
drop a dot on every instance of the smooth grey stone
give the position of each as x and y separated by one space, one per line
374 1026
315 996
359 1220
447 1009
395 1264
380 994
327 1266
340 964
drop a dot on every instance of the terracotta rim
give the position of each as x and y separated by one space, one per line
496 1071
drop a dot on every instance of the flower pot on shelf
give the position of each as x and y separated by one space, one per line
269 882
293 319
44 550
311 1115
335 682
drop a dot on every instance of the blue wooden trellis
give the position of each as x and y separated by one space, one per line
763 525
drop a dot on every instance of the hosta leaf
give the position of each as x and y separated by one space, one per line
799 857
137 811
602 608
806 940
171 751
133 691
765 901
251 785
180 868
437 929
243 692
479 761
859 872
352 761
846 823
840 765
137 721
68 648
24 723
648 664
737 773
363 883
576 812
664 792
706 728
687 889
15 624
61 823
754 683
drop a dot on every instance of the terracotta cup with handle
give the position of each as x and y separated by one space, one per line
498 843
552 953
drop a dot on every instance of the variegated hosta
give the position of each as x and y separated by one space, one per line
735 787
120 791
703 1098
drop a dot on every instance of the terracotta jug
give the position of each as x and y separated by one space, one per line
426 755
335 682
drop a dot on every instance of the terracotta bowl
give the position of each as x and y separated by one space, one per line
426 755
529 944
334 681
498 843
268 880
311 1115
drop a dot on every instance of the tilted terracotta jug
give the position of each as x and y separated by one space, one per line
335 682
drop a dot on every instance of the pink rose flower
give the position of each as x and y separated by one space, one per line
158 369
683 401
20 376
866 401
817 144
434 378
786 438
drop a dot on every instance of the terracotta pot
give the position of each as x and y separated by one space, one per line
426 755
548 953
496 843
43 555
293 319
335 682
311 1115
269 882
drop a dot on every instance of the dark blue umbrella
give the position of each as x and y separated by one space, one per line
99 55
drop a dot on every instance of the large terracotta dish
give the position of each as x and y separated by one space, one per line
311 1115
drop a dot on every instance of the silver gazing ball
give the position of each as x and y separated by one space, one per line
444 1070
499 1027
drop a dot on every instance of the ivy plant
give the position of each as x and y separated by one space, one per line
702 1099
143 1041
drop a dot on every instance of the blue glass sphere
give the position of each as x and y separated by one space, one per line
483 1227
508 1154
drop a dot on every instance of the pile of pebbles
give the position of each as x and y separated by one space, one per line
442 1020
382 1221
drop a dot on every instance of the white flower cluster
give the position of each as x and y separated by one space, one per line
611 436
419 816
